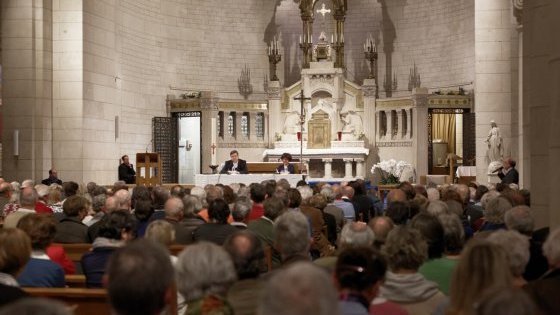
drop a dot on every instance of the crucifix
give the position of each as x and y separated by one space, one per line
302 99
323 11
213 148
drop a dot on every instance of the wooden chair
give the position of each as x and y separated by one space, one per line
83 301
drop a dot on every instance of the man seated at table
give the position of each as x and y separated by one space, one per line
235 165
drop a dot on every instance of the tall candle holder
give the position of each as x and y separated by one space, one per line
306 45
274 57
370 52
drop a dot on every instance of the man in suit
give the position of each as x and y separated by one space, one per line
52 179
126 171
508 174
235 164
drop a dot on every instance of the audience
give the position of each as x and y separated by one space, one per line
71 229
292 237
264 227
217 229
240 212
516 247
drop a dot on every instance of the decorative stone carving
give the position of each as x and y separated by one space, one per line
353 125
518 11
494 141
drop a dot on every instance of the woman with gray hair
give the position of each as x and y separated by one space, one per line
406 250
205 272
494 214
516 247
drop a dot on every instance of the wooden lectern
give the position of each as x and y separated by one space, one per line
148 169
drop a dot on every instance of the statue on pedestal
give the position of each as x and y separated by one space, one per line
495 147
353 125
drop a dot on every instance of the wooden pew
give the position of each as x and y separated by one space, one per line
84 301
75 281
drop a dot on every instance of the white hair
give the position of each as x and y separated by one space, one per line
433 194
306 192
520 219
551 247
356 234
437 207
516 247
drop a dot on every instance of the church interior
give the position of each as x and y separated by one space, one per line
341 85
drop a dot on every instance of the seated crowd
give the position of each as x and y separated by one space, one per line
269 248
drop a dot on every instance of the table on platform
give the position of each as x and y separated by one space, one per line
204 179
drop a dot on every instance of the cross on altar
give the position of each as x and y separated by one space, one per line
213 148
324 10
302 99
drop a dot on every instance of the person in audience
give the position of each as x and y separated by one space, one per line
126 171
52 179
396 195
205 272
398 212
28 198
321 246
5 196
294 199
437 207
191 220
212 193
433 194
440 270
292 237
217 229
143 210
521 220
110 206
162 232
97 205
178 191
363 205
41 204
544 291
33 306
299 289
344 202
235 165
160 195
508 301
140 279
240 213
40 271
264 227
114 233
123 199
319 201
406 251
55 198
516 247
432 231
247 253
71 229
381 226
258 194
15 252
332 209
495 214
174 215
354 234
358 275
480 270
286 167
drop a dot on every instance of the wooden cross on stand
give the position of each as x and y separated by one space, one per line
213 146
302 99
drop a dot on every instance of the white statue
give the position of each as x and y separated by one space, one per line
494 141
352 124
291 124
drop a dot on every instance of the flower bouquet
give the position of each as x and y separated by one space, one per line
390 170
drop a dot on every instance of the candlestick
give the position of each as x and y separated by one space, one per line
213 139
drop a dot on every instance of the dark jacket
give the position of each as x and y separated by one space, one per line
544 292
291 168
51 180
71 230
214 232
512 177
241 167
127 173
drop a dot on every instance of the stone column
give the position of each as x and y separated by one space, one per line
409 123
348 167
420 132
27 70
328 168
274 110
494 30
306 167
369 89
360 171
400 124
389 131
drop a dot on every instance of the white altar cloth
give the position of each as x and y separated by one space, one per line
204 179
466 171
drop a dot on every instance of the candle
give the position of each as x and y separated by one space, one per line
332 38
300 39
213 140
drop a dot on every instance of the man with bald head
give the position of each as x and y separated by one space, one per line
123 200
396 195
111 204
28 198
174 215
52 179
344 202
381 226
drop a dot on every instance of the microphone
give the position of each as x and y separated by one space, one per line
151 141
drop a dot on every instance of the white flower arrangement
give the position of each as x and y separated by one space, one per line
391 170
